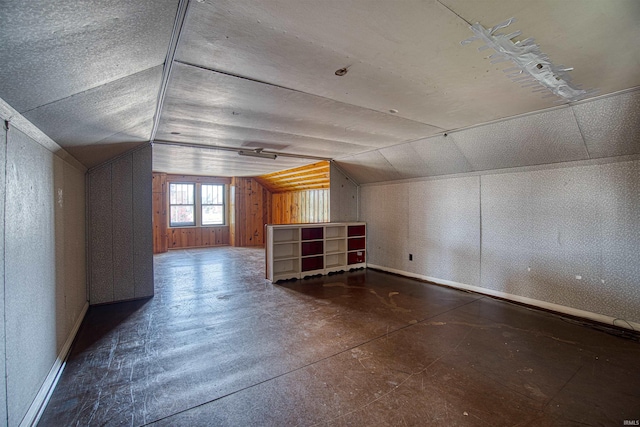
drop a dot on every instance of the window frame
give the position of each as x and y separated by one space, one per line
197 204
223 204
194 205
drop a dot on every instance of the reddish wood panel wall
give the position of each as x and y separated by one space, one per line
191 237
299 207
251 211
160 238
251 206
184 237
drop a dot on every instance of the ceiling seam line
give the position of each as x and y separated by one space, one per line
298 91
452 11
297 135
181 16
584 141
88 90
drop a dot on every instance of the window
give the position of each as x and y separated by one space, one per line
212 201
182 204
196 204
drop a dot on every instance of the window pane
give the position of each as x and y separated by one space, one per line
182 215
212 215
181 194
212 194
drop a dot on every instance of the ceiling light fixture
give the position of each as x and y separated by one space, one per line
532 66
258 153
213 148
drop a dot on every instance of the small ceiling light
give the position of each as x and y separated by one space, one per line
393 111
342 71
258 153
532 66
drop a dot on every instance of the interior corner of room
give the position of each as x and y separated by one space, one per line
134 130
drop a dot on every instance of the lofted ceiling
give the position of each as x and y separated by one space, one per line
204 79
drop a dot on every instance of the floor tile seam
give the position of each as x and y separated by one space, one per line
385 335
544 408
409 376
506 386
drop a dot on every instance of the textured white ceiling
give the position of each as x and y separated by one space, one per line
262 74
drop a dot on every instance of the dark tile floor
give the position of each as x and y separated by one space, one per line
218 345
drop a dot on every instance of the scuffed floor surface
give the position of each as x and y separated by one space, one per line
219 345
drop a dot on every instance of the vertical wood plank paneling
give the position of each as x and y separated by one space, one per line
160 235
192 237
122 207
142 223
232 212
300 207
251 203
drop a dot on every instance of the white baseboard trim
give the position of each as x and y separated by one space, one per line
601 318
38 405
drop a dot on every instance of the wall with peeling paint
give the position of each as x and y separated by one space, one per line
561 237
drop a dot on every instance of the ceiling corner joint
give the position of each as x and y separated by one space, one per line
181 15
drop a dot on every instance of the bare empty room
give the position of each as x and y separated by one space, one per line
310 213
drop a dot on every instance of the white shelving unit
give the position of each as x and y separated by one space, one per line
300 250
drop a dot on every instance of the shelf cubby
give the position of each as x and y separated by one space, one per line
297 251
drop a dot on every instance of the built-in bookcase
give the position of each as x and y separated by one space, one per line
300 250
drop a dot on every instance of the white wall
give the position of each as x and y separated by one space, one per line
44 292
565 236
343 196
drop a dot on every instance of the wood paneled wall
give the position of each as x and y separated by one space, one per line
182 237
298 207
190 237
309 177
251 205
160 240
251 211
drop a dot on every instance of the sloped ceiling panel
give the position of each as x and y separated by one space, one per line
113 145
100 113
86 73
611 126
53 49
369 167
404 160
437 155
604 127
441 156
548 137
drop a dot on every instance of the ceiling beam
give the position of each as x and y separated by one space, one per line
168 63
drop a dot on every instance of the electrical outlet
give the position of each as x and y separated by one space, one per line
410 257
